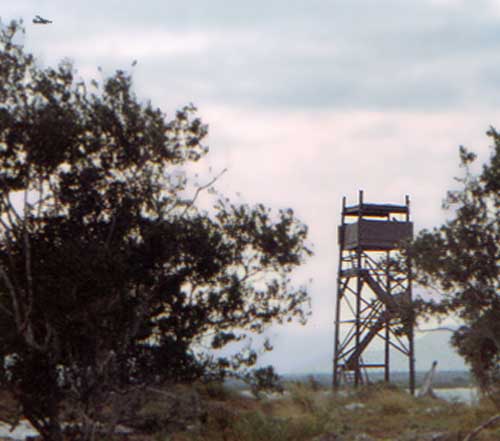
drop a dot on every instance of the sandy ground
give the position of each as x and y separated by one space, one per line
22 430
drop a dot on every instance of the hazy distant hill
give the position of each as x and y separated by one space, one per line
428 347
431 346
451 369
316 353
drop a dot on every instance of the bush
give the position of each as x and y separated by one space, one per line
263 380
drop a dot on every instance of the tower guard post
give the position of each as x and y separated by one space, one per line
373 298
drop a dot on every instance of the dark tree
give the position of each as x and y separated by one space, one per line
110 277
462 259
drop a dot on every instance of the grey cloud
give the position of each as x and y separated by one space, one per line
328 54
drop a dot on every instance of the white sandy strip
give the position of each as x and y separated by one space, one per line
24 429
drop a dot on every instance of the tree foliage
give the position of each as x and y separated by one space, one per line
262 380
462 259
110 276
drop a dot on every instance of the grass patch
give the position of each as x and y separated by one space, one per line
305 412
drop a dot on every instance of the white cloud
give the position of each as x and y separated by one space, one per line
123 45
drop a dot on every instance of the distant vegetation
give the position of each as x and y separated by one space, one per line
442 379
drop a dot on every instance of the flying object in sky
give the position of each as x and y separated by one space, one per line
40 20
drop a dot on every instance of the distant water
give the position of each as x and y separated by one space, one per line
467 395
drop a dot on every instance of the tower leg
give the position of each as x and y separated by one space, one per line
412 361
387 354
387 345
335 377
359 287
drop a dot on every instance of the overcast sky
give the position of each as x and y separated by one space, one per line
306 101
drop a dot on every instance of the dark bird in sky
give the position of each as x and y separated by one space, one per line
40 20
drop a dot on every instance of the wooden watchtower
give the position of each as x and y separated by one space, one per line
373 297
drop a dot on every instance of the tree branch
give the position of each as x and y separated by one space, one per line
491 422
438 329
200 189
13 296
27 250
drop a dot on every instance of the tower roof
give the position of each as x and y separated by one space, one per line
375 210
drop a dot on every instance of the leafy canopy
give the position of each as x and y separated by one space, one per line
109 275
462 259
